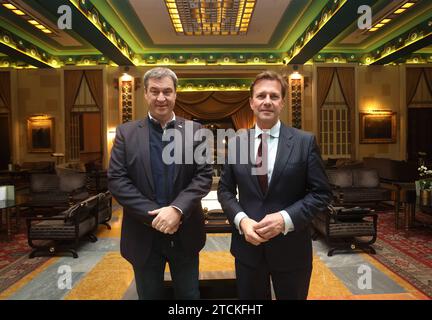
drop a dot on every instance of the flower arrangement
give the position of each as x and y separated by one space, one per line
426 175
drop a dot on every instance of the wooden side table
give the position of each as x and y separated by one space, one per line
6 207
407 198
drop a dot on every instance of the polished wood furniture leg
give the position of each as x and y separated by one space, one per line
8 225
406 216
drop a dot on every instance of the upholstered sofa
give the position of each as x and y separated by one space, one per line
393 171
357 186
63 232
38 167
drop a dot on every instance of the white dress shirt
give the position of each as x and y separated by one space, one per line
272 143
164 127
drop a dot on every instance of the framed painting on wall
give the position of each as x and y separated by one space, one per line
40 134
378 127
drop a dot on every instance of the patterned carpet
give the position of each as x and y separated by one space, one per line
14 262
407 252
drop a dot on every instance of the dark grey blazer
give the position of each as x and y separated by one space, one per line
298 185
130 181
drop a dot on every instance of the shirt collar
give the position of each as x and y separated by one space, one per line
157 121
274 131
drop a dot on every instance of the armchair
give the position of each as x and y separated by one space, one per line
62 233
105 209
347 228
55 191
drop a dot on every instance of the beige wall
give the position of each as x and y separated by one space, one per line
41 92
141 107
35 92
379 88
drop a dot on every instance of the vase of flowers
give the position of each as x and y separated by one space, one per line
425 185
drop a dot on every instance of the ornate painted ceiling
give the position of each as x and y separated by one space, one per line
141 32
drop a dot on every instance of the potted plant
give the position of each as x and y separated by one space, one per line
425 185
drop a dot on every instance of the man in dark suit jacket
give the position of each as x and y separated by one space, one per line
279 194
162 215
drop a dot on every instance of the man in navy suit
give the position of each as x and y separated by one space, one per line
162 215
281 188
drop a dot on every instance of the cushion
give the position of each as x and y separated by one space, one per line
39 166
44 182
72 181
365 178
341 177
331 162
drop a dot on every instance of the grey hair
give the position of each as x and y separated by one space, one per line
159 73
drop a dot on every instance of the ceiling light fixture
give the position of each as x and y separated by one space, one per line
393 14
9 6
210 17
408 5
20 12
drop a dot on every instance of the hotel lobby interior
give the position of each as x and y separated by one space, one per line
359 76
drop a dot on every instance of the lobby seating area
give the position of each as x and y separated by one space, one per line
63 232
355 75
357 186
345 229
53 191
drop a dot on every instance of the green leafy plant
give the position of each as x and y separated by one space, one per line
426 175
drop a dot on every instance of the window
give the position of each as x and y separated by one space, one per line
335 124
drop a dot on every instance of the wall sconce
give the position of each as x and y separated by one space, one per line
295 75
126 77
40 117
379 112
111 135
126 84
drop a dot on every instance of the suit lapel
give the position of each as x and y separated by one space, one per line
249 138
284 150
144 148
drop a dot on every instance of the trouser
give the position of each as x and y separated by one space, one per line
149 278
254 283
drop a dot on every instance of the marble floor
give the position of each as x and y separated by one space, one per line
101 273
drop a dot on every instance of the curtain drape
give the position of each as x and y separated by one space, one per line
412 81
346 78
216 105
324 81
244 118
428 76
181 113
95 83
5 89
213 105
347 84
72 82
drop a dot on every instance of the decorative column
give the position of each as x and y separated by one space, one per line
295 94
126 98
